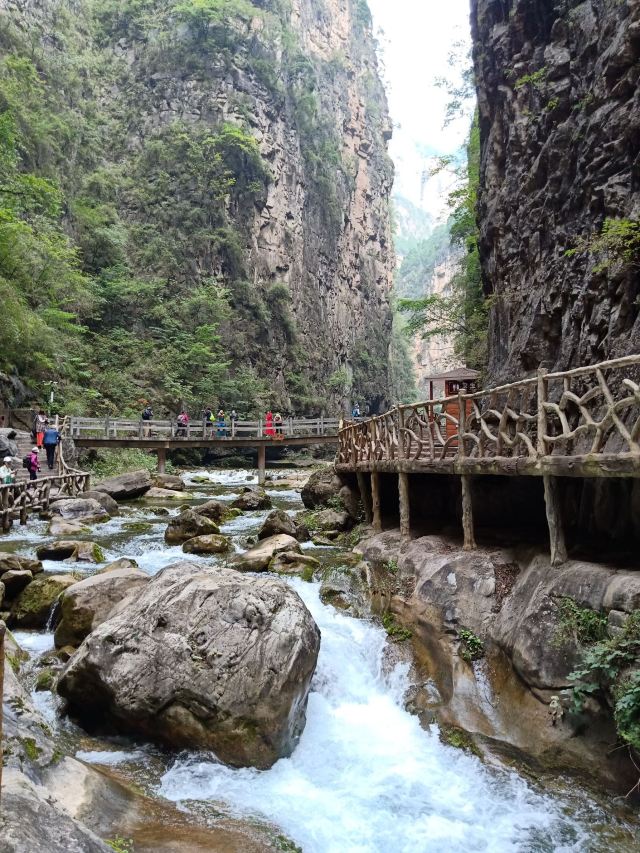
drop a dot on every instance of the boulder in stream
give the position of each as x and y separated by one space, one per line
160 494
288 563
106 501
279 521
188 525
14 581
15 562
201 659
74 550
86 510
32 607
126 487
258 558
252 499
210 544
168 481
60 527
88 603
321 486
216 511
121 563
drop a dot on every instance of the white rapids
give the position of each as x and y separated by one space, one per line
366 777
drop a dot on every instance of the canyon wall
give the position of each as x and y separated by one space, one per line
230 159
559 109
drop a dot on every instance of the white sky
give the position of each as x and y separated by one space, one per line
417 37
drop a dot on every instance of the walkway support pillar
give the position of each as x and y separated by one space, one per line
3 631
467 514
375 501
262 465
162 460
554 521
365 496
405 505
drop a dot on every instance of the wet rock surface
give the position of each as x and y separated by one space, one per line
211 544
280 521
126 487
85 509
258 558
32 607
188 525
252 499
175 665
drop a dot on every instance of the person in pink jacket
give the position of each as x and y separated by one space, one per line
34 464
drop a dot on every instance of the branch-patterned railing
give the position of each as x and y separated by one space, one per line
587 412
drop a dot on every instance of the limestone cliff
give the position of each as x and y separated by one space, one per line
559 120
231 156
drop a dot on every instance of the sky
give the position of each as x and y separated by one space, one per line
416 37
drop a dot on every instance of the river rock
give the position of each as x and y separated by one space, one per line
288 563
122 563
32 607
126 487
345 587
257 559
74 550
211 544
280 521
105 501
216 511
188 525
157 493
87 604
14 562
252 499
60 527
14 582
85 509
168 481
331 519
321 486
8 446
176 664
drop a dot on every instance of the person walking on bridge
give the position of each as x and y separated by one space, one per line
147 415
268 424
51 440
222 426
183 423
32 463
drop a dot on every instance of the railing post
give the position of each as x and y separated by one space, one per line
465 479
541 444
552 497
106 427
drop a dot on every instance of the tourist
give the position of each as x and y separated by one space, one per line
268 424
207 421
222 431
355 414
32 463
233 418
39 425
183 423
277 420
51 440
147 415
7 474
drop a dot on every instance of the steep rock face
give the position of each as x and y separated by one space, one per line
559 118
300 242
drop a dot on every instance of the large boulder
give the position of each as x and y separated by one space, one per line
252 499
280 521
14 581
126 487
258 558
86 510
8 446
168 481
73 550
32 607
105 501
87 604
321 487
188 525
331 519
121 563
216 511
14 562
211 544
60 527
289 563
201 659
160 494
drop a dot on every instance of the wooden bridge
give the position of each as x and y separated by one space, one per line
163 435
578 423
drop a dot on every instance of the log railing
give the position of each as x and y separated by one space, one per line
587 413
17 500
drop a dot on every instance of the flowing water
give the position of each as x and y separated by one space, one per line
365 777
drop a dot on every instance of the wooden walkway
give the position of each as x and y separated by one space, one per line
578 423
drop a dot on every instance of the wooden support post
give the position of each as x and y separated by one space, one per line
467 514
3 631
162 460
375 501
262 464
365 496
554 521
405 505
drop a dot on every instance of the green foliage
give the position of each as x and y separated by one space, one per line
579 624
459 739
471 646
110 463
610 666
391 566
394 630
420 260
119 844
552 104
535 80
618 243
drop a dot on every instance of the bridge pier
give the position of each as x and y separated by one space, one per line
262 464
554 521
467 515
162 459
365 496
375 501
405 505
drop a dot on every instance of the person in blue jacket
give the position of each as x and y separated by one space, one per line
50 441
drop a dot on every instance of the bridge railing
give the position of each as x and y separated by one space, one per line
17 500
590 411
127 428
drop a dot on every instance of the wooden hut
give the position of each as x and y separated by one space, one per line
450 384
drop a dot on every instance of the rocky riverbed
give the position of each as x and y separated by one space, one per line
357 771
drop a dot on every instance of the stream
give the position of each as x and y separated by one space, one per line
365 777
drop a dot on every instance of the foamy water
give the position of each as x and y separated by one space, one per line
366 777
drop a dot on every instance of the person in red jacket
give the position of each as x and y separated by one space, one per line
268 424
